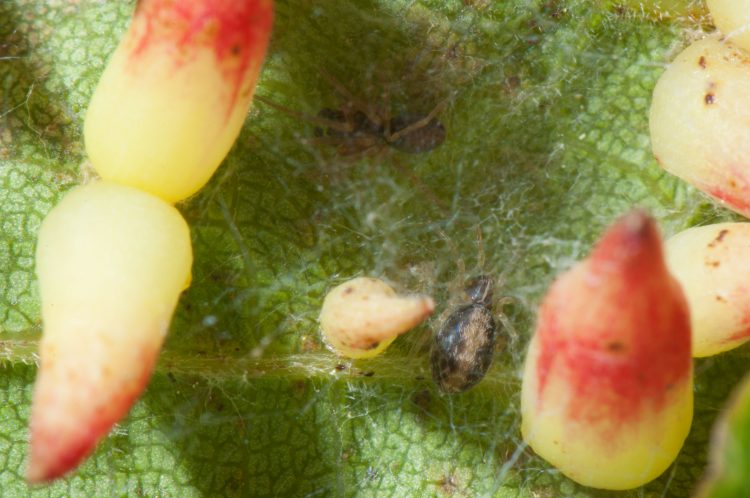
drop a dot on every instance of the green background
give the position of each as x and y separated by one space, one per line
547 143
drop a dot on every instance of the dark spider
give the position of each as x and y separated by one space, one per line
356 133
464 346
358 129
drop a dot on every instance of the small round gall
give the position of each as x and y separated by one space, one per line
361 317
712 263
699 118
732 17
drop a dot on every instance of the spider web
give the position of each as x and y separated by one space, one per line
547 142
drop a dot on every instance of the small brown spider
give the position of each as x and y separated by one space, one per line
357 129
469 332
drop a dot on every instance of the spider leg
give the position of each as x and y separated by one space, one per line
387 113
364 142
375 149
356 103
480 247
418 124
349 148
456 285
345 127
422 187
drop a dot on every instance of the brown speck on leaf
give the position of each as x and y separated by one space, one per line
422 399
300 387
448 484
512 83
702 62
368 373
710 98
309 344
340 367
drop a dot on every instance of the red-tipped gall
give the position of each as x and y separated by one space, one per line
111 263
607 389
176 92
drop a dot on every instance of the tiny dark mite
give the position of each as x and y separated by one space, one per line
464 346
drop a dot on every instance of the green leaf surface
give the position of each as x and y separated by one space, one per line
547 142
730 450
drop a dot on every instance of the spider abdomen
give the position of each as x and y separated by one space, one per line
463 348
421 139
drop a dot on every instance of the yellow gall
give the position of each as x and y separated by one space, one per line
175 93
111 263
699 120
361 317
712 263
732 17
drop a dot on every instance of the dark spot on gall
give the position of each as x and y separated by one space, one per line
236 50
373 345
710 98
702 62
340 367
615 346
348 290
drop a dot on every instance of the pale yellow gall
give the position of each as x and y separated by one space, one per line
361 317
700 120
175 93
732 17
712 263
111 263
